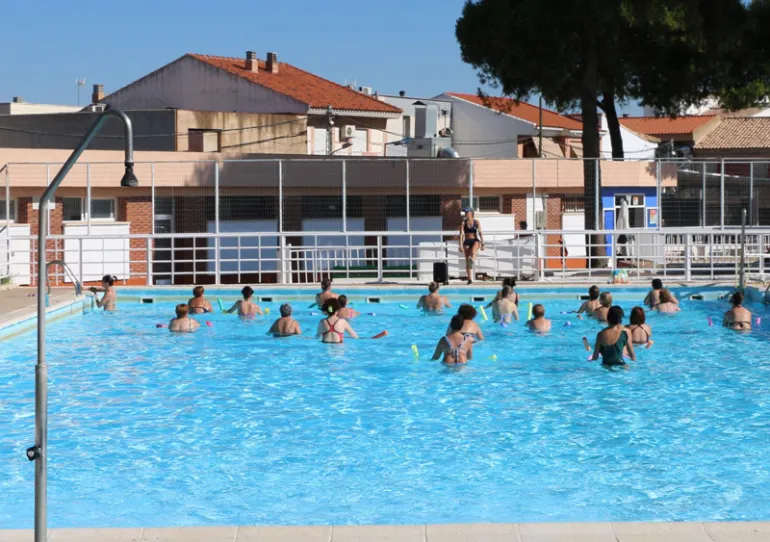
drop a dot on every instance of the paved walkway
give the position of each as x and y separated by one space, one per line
16 303
480 532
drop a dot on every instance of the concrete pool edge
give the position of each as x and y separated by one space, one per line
27 320
749 531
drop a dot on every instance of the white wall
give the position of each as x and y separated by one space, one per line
100 256
191 84
633 145
15 254
253 258
24 108
400 256
478 131
406 104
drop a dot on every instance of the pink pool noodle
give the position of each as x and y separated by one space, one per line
758 320
208 323
711 322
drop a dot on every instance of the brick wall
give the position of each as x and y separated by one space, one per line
137 211
54 249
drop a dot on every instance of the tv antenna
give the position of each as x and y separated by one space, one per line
79 83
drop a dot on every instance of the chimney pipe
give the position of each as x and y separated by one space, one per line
272 62
402 93
98 94
18 99
252 64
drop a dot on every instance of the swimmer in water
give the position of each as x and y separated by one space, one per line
641 332
592 304
653 296
665 303
504 308
246 308
326 293
455 346
285 326
508 281
613 341
199 304
539 322
738 318
183 323
109 299
468 312
605 302
346 312
332 328
434 301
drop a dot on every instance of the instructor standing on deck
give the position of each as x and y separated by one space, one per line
471 240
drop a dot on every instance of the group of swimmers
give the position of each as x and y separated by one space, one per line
613 343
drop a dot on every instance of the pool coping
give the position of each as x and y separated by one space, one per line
27 320
749 531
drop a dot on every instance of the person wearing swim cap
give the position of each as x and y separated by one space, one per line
434 301
285 326
471 241
183 323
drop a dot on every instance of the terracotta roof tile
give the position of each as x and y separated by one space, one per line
662 126
739 133
522 110
304 87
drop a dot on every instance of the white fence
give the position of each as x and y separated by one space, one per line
271 257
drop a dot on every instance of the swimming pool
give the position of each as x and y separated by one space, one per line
228 426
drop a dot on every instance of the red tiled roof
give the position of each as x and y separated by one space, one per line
661 126
739 133
304 87
522 110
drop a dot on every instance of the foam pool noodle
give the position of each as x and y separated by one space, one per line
267 311
493 357
483 313
208 323
529 311
221 306
415 351
711 322
403 306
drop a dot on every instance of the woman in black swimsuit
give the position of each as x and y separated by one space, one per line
471 241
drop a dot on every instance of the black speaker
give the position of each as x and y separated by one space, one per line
441 272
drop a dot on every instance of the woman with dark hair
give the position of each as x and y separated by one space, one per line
346 312
332 328
199 304
739 317
456 347
504 308
641 332
434 301
471 241
468 312
593 302
508 281
246 307
326 293
613 340
110 297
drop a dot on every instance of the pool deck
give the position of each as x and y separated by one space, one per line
477 532
19 303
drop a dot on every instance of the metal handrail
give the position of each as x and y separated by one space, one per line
70 274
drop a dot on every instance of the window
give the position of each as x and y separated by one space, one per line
3 207
573 203
101 209
636 209
483 204
243 208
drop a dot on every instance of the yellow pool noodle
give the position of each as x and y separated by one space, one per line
483 313
415 351
267 311
493 357
529 311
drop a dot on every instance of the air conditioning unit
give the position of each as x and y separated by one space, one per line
541 220
347 132
366 90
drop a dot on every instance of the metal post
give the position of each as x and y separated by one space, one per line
80 260
280 195
470 185
751 193
762 256
408 210
88 197
597 194
534 197
742 275
658 194
703 197
148 258
687 258
216 198
379 259
39 451
722 195
344 197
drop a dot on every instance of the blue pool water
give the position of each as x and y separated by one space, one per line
228 426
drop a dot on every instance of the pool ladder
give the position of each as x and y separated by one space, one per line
69 273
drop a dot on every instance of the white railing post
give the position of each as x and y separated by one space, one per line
80 260
722 196
216 197
597 197
88 198
344 197
408 209
613 251
751 193
470 185
379 259
280 196
761 256
659 192
703 196
217 261
536 262
687 258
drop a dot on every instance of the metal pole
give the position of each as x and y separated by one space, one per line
597 195
408 211
742 274
703 197
540 130
470 185
534 197
216 197
88 196
658 194
344 197
38 453
280 195
722 195
751 193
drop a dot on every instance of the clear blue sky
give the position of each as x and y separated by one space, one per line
398 45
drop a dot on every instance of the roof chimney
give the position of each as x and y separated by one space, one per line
98 94
272 62
252 64
402 93
18 99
